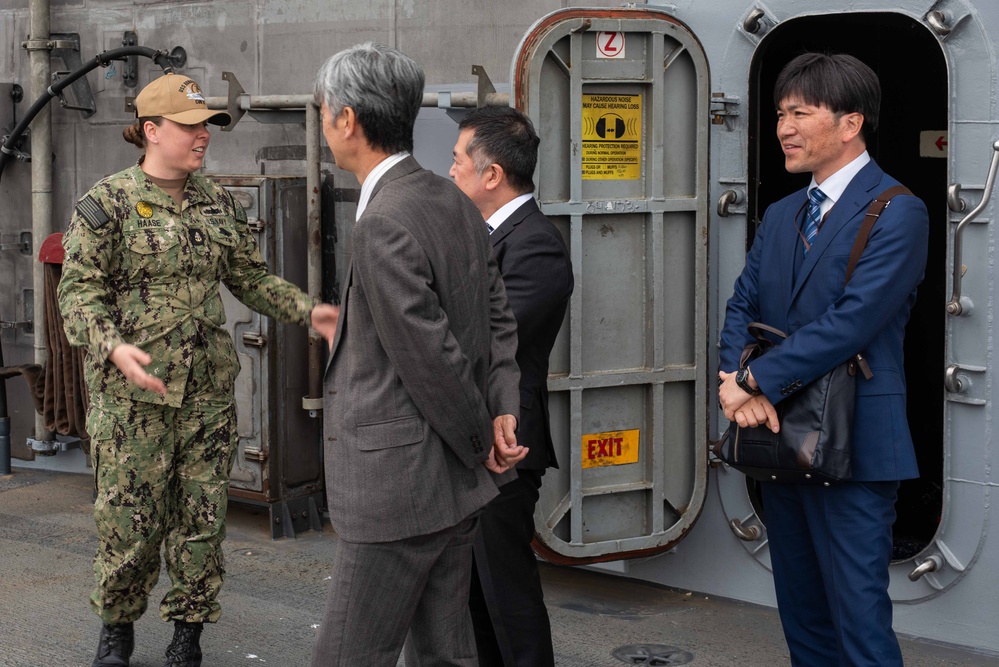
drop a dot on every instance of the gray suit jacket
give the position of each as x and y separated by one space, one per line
422 361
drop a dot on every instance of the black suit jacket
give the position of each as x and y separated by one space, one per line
537 273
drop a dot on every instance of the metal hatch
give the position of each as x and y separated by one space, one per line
620 99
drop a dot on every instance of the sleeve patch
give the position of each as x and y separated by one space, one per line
237 209
92 212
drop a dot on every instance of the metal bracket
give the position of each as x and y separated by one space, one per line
952 380
66 47
19 150
931 564
939 23
239 103
37 45
727 199
254 454
24 245
746 533
297 515
26 325
235 92
965 384
313 406
52 447
954 200
722 107
485 85
254 339
757 23
945 16
130 72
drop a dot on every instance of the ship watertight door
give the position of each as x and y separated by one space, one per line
620 99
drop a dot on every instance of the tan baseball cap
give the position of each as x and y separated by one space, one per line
177 98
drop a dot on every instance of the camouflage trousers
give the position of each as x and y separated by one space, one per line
162 477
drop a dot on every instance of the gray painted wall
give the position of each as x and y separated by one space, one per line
273 48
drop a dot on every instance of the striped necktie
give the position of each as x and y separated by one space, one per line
489 227
813 215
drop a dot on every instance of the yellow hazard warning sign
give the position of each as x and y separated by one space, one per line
610 449
612 137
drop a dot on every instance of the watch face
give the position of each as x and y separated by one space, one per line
742 379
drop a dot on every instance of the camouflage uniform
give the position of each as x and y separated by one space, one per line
139 269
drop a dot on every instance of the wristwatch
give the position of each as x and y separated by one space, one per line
742 379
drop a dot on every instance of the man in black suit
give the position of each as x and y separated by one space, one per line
494 163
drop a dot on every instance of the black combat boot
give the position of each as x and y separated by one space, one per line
185 649
115 646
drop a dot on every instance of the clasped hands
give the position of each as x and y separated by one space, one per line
743 408
505 452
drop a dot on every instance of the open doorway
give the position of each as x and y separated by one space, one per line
913 73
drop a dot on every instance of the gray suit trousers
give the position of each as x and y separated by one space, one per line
380 591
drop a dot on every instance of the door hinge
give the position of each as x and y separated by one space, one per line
254 339
254 454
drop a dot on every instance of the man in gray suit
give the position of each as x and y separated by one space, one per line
422 392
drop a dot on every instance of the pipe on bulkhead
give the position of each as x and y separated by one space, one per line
314 247
39 54
4 425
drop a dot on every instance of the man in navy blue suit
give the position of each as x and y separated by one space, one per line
494 162
830 546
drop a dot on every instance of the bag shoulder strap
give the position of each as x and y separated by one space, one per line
877 207
759 330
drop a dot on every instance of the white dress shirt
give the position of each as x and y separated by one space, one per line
368 186
504 211
835 185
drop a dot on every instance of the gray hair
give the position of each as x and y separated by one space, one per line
383 86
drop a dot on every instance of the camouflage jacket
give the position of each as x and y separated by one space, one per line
140 270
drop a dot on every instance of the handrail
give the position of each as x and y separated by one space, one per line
954 306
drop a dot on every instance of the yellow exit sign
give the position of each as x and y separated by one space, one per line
613 448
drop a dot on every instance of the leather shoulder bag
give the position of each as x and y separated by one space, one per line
816 422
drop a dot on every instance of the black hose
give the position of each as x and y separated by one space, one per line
161 58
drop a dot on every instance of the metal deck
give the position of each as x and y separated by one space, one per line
275 589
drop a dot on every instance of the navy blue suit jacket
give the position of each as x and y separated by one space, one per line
827 323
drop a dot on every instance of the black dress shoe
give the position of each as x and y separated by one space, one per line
115 646
185 649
